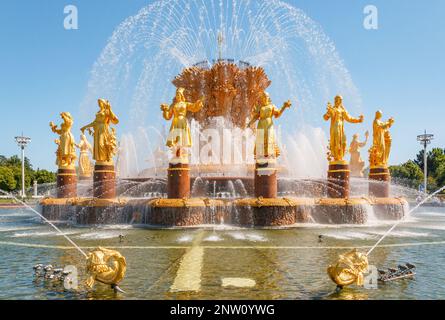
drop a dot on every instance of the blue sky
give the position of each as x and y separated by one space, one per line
44 68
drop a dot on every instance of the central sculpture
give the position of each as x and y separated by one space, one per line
231 90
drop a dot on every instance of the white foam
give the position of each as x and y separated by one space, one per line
404 234
41 234
99 235
247 236
349 235
213 238
10 229
185 238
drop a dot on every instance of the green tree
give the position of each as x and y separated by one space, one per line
435 158
7 181
44 176
409 172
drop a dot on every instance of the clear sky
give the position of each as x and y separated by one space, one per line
44 68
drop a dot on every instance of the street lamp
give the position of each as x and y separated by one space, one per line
23 141
425 140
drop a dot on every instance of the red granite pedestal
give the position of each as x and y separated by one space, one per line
178 181
338 180
266 185
104 182
379 182
66 183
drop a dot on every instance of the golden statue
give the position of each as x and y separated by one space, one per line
381 144
179 136
356 162
101 271
85 165
104 139
66 152
338 115
349 269
266 147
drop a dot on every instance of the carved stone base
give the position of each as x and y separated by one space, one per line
379 182
338 180
66 183
266 185
178 181
250 212
104 182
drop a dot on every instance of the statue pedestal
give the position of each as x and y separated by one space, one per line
379 181
338 180
178 181
104 181
266 185
66 183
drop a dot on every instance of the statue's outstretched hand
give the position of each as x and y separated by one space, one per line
287 104
164 107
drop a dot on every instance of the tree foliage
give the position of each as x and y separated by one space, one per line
11 174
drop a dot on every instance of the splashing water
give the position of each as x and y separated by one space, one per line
400 221
47 221
147 50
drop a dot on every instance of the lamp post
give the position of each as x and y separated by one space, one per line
22 142
425 139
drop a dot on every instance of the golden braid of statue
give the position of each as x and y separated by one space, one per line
85 165
349 269
338 115
356 163
179 137
381 142
106 266
104 138
266 147
66 152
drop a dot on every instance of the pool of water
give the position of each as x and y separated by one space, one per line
223 262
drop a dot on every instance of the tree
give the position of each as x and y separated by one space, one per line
408 172
44 176
435 158
7 181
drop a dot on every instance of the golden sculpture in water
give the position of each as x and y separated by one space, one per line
337 143
356 163
99 269
349 269
381 142
66 152
179 136
266 147
85 165
104 138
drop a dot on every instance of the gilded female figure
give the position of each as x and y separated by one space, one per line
66 152
179 136
381 145
85 167
265 142
356 162
338 115
104 137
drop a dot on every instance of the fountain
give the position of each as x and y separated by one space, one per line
329 203
264 179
